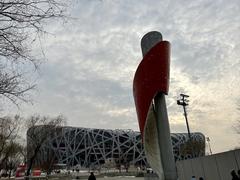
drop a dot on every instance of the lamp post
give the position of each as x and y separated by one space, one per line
208 140
183 101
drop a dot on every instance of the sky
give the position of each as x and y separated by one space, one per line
92 58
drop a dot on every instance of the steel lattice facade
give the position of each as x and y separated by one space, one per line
88 147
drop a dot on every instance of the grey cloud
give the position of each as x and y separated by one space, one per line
92 60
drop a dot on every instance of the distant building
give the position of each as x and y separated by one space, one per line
87 147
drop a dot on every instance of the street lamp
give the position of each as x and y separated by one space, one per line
208 140
183 101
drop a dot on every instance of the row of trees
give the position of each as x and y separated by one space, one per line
13 149
22 24
39 130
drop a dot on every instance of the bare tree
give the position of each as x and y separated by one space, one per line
49 161
21 24
40 129
10 149
192 148
8 134
13 157
13 86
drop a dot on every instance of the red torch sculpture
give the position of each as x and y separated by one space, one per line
150 85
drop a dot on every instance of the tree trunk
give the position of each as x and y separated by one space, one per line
31 162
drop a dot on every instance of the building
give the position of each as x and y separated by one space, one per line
89 148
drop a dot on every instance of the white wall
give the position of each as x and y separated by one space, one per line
213 167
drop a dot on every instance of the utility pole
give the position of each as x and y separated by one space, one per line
183 101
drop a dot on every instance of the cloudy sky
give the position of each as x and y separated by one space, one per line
92 58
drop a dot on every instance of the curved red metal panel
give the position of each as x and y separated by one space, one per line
151 77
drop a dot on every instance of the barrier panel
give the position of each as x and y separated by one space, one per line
213 167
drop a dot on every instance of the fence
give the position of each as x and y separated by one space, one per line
213 167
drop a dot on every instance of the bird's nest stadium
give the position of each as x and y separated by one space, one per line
89 147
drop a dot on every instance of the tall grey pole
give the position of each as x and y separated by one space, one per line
188 129
165 142
184 102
